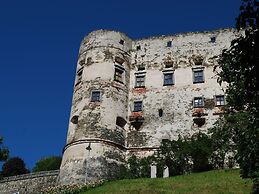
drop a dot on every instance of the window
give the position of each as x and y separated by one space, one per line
118 75
198 76
168 79
141 67
140 81
198 102
138 47
121 42
119 60
79 75
137 106
220 100
213 39
169 44
95 97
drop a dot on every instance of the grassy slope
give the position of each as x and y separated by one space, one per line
212 182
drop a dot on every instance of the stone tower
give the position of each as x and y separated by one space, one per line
96 136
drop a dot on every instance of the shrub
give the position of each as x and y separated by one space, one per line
48 163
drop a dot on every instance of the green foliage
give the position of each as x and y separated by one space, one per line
212 182
200 150
175 155
222 141
136 168
186 154
14 166
240 64
48 163
4 152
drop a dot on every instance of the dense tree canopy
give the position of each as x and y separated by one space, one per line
3 151
48 163
239 67
14 166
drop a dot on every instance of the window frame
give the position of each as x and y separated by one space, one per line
94 98
138 108
79 75
119 75
198 105
196 78
221 102
142 82
169 44
172 78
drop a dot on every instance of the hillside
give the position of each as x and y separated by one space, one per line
212 182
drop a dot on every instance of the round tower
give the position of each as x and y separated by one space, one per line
96 134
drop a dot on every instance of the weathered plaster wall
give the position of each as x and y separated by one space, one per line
100 53
176 101
28 183
95 125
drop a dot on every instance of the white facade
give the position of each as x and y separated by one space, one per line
129 95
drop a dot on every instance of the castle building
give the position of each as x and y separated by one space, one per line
129 95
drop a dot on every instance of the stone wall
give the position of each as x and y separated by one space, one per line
28 183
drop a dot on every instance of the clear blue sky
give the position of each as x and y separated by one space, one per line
39 42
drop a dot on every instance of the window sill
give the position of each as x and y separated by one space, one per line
168 85
198 82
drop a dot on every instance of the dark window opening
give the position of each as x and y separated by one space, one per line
140 81
213 39
198 76
79 76
121 122
118 75
141 67
119 60
74 119
220 100
138 48
169 44
168 79
137 106
160 112
199 121
168 65
198 102
121 42
95 96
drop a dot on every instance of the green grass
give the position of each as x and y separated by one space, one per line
212 182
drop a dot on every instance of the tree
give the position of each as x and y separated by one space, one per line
14 166
239 67
47 163
4 152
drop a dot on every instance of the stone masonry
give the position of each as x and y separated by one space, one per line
129 95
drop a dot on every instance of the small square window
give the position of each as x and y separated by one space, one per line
121 42
169 44
198 76
168 79
95 97
138 47
137 106
213 39
140 81
118 75
198 102
220 100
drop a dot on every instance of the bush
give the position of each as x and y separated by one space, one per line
48 163
14 166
